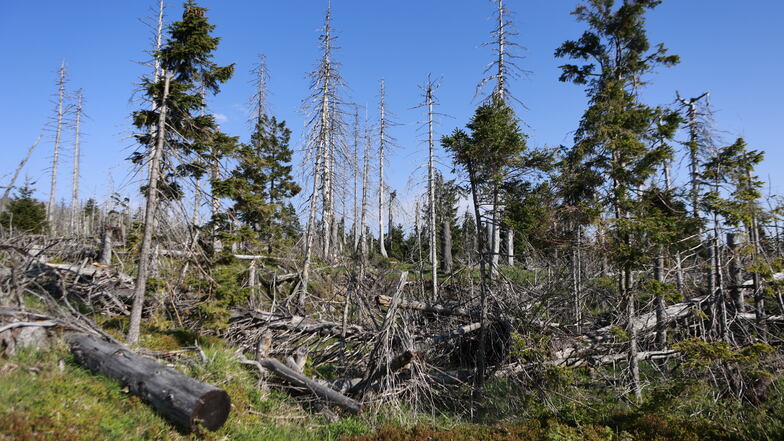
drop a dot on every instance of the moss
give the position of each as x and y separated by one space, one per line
41 401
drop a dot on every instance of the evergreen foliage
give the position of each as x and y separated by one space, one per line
24 213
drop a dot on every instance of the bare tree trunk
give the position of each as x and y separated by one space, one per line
309 235
484 278
381 190
392 196
691 115
634 362
721 305
75 215
495 231
510 254
661 327
356 228
149 220
365 175
431 191
576 274
106 245
446 247
57 135
217 244
736 276
18 170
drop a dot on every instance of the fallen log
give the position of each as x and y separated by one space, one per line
301 381
182 399
426 307
296 323
643 323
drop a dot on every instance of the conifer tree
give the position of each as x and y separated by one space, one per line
173 126
612 143
734 165
261 183
23 213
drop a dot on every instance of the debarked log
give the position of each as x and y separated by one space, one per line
182 399
299 380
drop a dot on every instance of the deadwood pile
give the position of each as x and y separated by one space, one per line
378 336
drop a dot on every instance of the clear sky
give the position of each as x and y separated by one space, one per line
731 49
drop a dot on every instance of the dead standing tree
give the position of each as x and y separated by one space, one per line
75 215
323 124
428 90
58 131
382 140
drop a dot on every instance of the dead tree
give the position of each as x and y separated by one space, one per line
429 101
60 113
694 147
382 122
74 227
363 236
149 218
18 170
356 230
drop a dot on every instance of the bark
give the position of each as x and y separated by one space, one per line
106 245
75 215
446 247
300 381
58 133
363 248
691 116
381 190
181 399
484 280
356 168
661 327
495 231
431 191
736 291
510 254
149 220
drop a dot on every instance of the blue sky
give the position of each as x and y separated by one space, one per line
731 49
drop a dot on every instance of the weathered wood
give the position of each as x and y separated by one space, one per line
43 323
586 343
299 380
296 323
182 399
385 369
426 307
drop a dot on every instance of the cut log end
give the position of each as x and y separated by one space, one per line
212 410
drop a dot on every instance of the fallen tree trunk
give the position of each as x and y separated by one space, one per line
299 380
296 323
182 399
426 307
643 323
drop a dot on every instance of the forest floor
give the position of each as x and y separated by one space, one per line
46 395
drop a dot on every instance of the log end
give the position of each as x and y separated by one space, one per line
212 410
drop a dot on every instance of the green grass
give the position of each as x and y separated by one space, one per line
45 395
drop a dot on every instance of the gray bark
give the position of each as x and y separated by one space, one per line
75 215
57 135
149 219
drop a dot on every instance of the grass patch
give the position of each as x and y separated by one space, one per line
46 395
